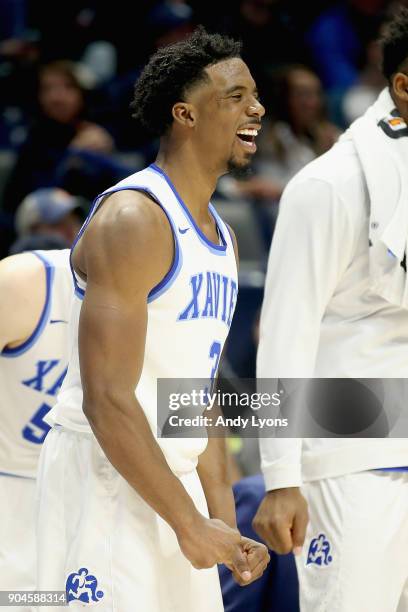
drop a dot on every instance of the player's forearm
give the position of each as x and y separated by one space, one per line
221 505
214 476
124 434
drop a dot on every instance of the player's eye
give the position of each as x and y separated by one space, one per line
237 96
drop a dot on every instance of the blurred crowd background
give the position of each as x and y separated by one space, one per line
67 72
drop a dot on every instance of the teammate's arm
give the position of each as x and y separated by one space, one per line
312 247
124 253
22 297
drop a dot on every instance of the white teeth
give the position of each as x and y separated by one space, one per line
248 132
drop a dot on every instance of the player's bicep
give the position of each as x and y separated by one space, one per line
120 275
112 332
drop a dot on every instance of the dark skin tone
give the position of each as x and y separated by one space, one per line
282 517
195 152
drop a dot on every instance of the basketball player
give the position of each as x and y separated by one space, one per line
35 290
123 518
324 317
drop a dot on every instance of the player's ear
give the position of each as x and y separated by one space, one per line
400 86
184 114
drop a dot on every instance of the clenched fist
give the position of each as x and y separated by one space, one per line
257 556
282 519
211 541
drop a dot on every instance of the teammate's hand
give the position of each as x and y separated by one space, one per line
282 519
211 541
258 558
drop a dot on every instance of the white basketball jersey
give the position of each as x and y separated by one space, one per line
189 315
32 373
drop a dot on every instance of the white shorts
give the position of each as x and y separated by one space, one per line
17 535
355 556
102 543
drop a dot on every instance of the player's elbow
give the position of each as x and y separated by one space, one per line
99 406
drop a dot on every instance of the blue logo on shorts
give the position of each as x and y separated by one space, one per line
82 586
319 551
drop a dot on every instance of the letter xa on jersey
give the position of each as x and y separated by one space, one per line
212 296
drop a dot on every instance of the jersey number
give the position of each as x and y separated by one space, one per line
36 430
215 354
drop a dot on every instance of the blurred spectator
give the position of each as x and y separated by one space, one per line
338 39
370 83
49 217
62 142
49 211
38 242
301 130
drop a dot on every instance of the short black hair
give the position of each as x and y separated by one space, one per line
172 71
394 44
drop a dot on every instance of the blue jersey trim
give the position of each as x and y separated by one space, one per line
78 290
11 475
80 293
27 344
403 468
174 270
216 249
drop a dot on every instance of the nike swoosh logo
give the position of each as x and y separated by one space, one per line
183 231
58 321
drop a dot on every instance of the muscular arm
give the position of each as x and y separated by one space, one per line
120 272
125 252
22 296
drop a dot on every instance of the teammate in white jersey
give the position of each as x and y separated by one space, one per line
36 290
324 317
123 515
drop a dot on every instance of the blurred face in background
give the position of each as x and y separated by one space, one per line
305 102
59 96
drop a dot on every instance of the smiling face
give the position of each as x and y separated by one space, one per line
227 116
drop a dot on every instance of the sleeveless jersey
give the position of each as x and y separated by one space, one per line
32 373
189 315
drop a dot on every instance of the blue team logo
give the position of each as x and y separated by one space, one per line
319 551
81 586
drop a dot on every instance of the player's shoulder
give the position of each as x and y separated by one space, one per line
339 167
130 213
125 232
22 276
23 267
335 179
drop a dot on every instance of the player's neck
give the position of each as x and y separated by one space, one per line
194 181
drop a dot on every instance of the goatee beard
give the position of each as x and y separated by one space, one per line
239 172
